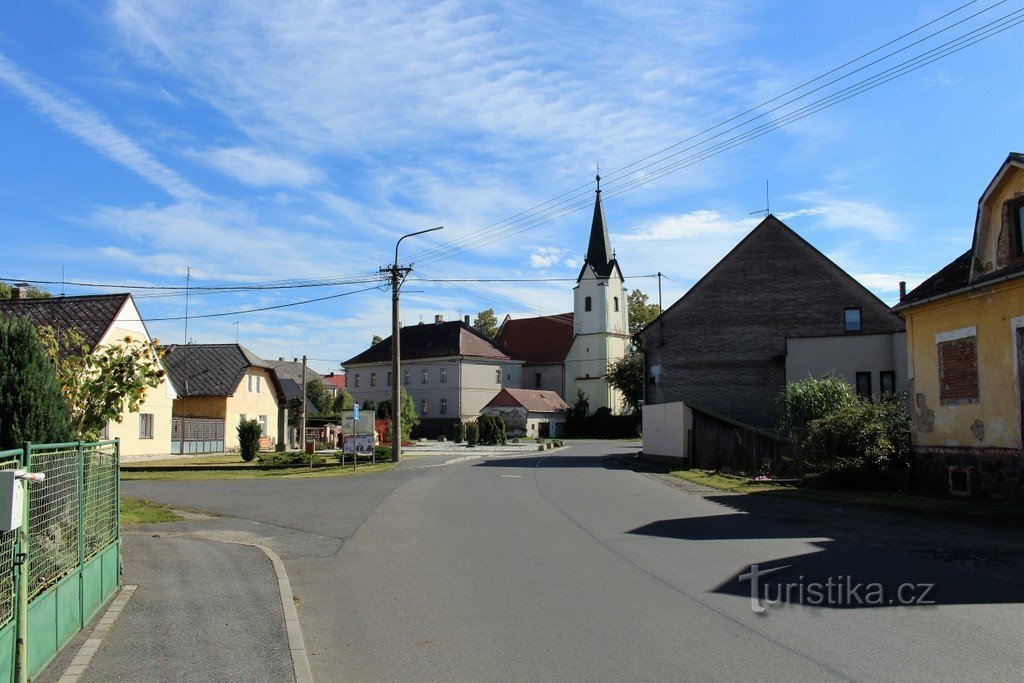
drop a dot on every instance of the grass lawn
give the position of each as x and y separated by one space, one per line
136 511
965 509
298 472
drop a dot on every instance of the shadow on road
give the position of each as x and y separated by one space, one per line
841 574
608 462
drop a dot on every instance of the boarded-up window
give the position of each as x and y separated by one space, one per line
958 371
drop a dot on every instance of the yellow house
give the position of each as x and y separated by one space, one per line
965 338
103 320
219 385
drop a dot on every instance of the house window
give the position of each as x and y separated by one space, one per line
958 370
497 376
851 320
255 384
263 425
887 382
536 380
389 378
373 379
864 385
616 304
444 375
356 383
1017 226
405 378
146 425
424 376
241 417
106 431
444 406
423 406
586 304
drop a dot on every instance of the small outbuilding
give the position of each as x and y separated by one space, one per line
530 412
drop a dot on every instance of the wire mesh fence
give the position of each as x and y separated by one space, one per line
53 515
99 496
9 460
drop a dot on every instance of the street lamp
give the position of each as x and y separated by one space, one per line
397 273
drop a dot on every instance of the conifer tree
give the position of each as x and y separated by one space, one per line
32 407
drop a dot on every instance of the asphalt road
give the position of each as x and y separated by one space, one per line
566 566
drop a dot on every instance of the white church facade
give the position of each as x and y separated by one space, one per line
573 352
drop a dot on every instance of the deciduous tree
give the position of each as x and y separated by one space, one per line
486 323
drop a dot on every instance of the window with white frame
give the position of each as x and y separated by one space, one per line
444 406
263 425
255 384
497 376
373 379
424 376
356 383
405 377
423 406
145 425
444 375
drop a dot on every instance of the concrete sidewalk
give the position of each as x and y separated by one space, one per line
204 610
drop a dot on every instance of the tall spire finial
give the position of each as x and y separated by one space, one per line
599 177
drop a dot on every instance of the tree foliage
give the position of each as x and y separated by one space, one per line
580 406
410 418
812 399
627 375
486 323
249 434
318 394
31 293
342 401
104 383
641 313
32 407
377 339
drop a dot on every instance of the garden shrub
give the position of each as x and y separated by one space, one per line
249 433
472 434
491 429
460 432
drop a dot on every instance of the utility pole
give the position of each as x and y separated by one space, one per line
302 435
398 274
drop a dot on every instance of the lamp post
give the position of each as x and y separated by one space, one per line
397 274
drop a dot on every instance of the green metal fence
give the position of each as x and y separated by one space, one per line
73 548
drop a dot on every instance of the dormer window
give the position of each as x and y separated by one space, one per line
1017 226
851 320
586 304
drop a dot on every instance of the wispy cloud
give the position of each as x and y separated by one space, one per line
851 215
260 168
90 126
545 257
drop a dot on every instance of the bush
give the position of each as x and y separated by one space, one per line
812 399
249 433
32 407
472 434
292 458
491 429
460 432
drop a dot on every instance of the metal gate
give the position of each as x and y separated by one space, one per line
197 435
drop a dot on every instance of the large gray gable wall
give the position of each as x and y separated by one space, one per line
722 346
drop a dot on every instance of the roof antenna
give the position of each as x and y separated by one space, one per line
767 203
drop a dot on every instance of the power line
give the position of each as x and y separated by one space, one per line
575 200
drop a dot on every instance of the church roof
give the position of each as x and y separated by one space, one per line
599 249
546 339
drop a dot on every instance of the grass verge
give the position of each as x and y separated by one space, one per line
137 511
300 472
963 509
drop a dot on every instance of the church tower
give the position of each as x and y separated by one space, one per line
600 320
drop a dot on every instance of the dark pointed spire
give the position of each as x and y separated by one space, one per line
599 250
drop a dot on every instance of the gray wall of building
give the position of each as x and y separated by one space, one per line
723 346
847 355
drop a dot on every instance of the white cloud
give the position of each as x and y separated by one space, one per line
695 224
545 257
90 126
260 168
889 282
850 215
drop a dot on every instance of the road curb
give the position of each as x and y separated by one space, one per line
85 654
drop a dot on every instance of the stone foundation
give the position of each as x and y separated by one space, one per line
996 473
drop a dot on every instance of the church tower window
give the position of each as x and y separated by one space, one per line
586 304
616 304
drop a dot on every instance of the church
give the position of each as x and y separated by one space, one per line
572 352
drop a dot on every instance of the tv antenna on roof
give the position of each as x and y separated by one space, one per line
767 203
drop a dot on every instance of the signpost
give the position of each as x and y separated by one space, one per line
357 435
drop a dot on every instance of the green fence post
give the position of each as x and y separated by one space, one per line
117 506
21 613
81 534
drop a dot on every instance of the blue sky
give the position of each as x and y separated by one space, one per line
265 141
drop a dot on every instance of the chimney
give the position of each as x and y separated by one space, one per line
438 319
903 290
17 292
466 319
294 360
280 359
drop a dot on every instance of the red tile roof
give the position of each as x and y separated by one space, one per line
534 400
335 380
538 340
